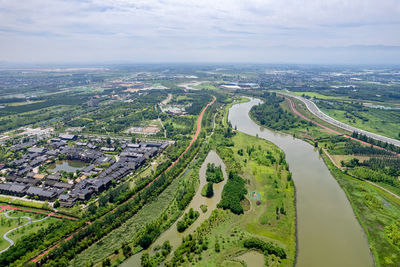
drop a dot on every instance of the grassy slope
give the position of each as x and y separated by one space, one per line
206 85
260 221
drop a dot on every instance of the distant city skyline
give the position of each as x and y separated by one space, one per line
260 31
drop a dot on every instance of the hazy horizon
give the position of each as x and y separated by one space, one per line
152 31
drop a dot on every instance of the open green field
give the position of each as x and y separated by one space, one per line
7 224
15 104
383 122
318 95
206 85
31 228
5 200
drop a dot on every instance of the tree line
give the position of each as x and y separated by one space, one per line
233 193
272 115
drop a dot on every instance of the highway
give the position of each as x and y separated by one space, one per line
312 107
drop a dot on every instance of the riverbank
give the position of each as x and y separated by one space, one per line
269 212
375 208
324 213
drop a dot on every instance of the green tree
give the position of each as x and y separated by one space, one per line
126 249
56 204
145 241
92 208
209 190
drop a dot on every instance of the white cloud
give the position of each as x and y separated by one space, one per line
57 30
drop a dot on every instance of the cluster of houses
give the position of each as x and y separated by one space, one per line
102 170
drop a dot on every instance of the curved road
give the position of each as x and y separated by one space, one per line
16 228
312 107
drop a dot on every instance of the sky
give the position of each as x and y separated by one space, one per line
260 31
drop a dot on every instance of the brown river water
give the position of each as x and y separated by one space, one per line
328 232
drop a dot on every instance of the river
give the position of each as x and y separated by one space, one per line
327 230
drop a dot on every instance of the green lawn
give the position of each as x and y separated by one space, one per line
8 224
31 228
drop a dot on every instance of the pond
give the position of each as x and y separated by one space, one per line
67 166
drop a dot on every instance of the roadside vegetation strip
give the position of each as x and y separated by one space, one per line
52 214
293 107
313 108
36 259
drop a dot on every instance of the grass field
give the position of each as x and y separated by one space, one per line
345 158
16 104
5 200
206 85
7 224
382 122
270 181
317 95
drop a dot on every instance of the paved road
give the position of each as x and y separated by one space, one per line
16 228
317 112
